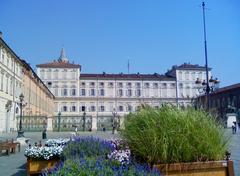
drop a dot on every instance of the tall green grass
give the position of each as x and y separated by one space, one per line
170 135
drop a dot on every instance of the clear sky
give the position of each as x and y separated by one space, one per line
102 35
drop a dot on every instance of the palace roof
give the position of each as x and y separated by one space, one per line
137 76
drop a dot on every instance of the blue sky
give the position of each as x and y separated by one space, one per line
102 35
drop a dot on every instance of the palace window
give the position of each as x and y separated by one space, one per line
64 108
92 92
120 108
49 84
102 108
102 92
82 108
120 92
73 108
92 108
92 84
110 84
129 92
146 85
73 92
129 108
83 92
138 92
120 84
164 85
138 85
83 84
65 92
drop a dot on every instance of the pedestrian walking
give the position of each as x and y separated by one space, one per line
233 129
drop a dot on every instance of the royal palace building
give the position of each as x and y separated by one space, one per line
100 96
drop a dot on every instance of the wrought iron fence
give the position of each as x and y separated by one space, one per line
104 123
32 123
71 123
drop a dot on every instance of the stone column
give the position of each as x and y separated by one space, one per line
94 123
49 123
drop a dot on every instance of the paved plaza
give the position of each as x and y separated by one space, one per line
15 164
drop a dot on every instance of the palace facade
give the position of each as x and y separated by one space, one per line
99 96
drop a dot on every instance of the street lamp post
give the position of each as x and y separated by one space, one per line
206 59
207 88
59 121
20 131
84 118
114 121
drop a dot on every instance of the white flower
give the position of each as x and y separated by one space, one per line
123 156
43 152
57 142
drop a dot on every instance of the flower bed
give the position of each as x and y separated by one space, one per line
94 156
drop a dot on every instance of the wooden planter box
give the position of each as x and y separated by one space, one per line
35 166
211 168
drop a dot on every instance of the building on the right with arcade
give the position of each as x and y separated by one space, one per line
223 101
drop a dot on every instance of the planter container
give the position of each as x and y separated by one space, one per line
211 168
35 166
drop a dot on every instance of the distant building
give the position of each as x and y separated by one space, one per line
16 77
99 95
222 101
39 106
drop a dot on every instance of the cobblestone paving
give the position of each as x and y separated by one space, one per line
15 164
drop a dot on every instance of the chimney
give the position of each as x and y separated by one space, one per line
1 34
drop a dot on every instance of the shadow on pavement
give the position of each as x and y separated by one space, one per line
22 171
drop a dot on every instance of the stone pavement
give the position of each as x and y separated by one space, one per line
234 148
15 164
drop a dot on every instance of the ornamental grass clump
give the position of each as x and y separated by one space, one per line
171 135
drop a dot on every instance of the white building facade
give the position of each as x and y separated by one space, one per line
10 87
17 77
99 95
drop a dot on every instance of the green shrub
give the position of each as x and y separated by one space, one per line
170 135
